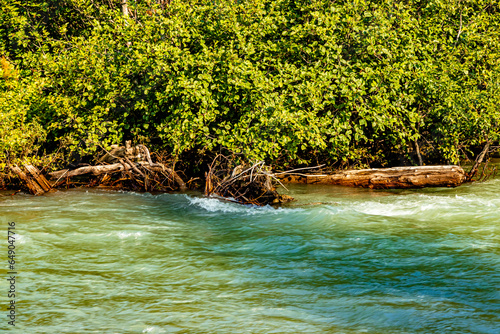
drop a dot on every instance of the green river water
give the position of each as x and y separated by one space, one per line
362 261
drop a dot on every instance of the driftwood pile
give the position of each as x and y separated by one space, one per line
123 167
243 183
126 167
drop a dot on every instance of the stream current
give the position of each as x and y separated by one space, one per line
337 260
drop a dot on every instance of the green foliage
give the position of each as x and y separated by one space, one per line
19 136
286 81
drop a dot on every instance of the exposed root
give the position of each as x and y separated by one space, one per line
244 184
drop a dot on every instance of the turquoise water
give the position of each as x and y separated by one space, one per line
361 261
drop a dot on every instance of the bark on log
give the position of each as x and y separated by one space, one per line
95 170
387 178
39 178
32 185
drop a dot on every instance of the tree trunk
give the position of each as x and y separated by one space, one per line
124 8
387 178
478 161
417 149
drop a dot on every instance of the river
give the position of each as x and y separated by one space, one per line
337 260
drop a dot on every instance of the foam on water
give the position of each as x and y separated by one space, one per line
135 235
219 205
22 239
423 205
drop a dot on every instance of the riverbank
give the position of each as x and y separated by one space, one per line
120 176
132 168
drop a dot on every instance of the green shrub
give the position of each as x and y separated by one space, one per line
348 82
20 137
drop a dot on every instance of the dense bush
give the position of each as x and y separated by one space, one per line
286 81
20 135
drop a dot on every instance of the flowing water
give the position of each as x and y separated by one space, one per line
361 261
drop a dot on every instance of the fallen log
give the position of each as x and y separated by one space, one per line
29 181
39 178
94 170
385 178
117 167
